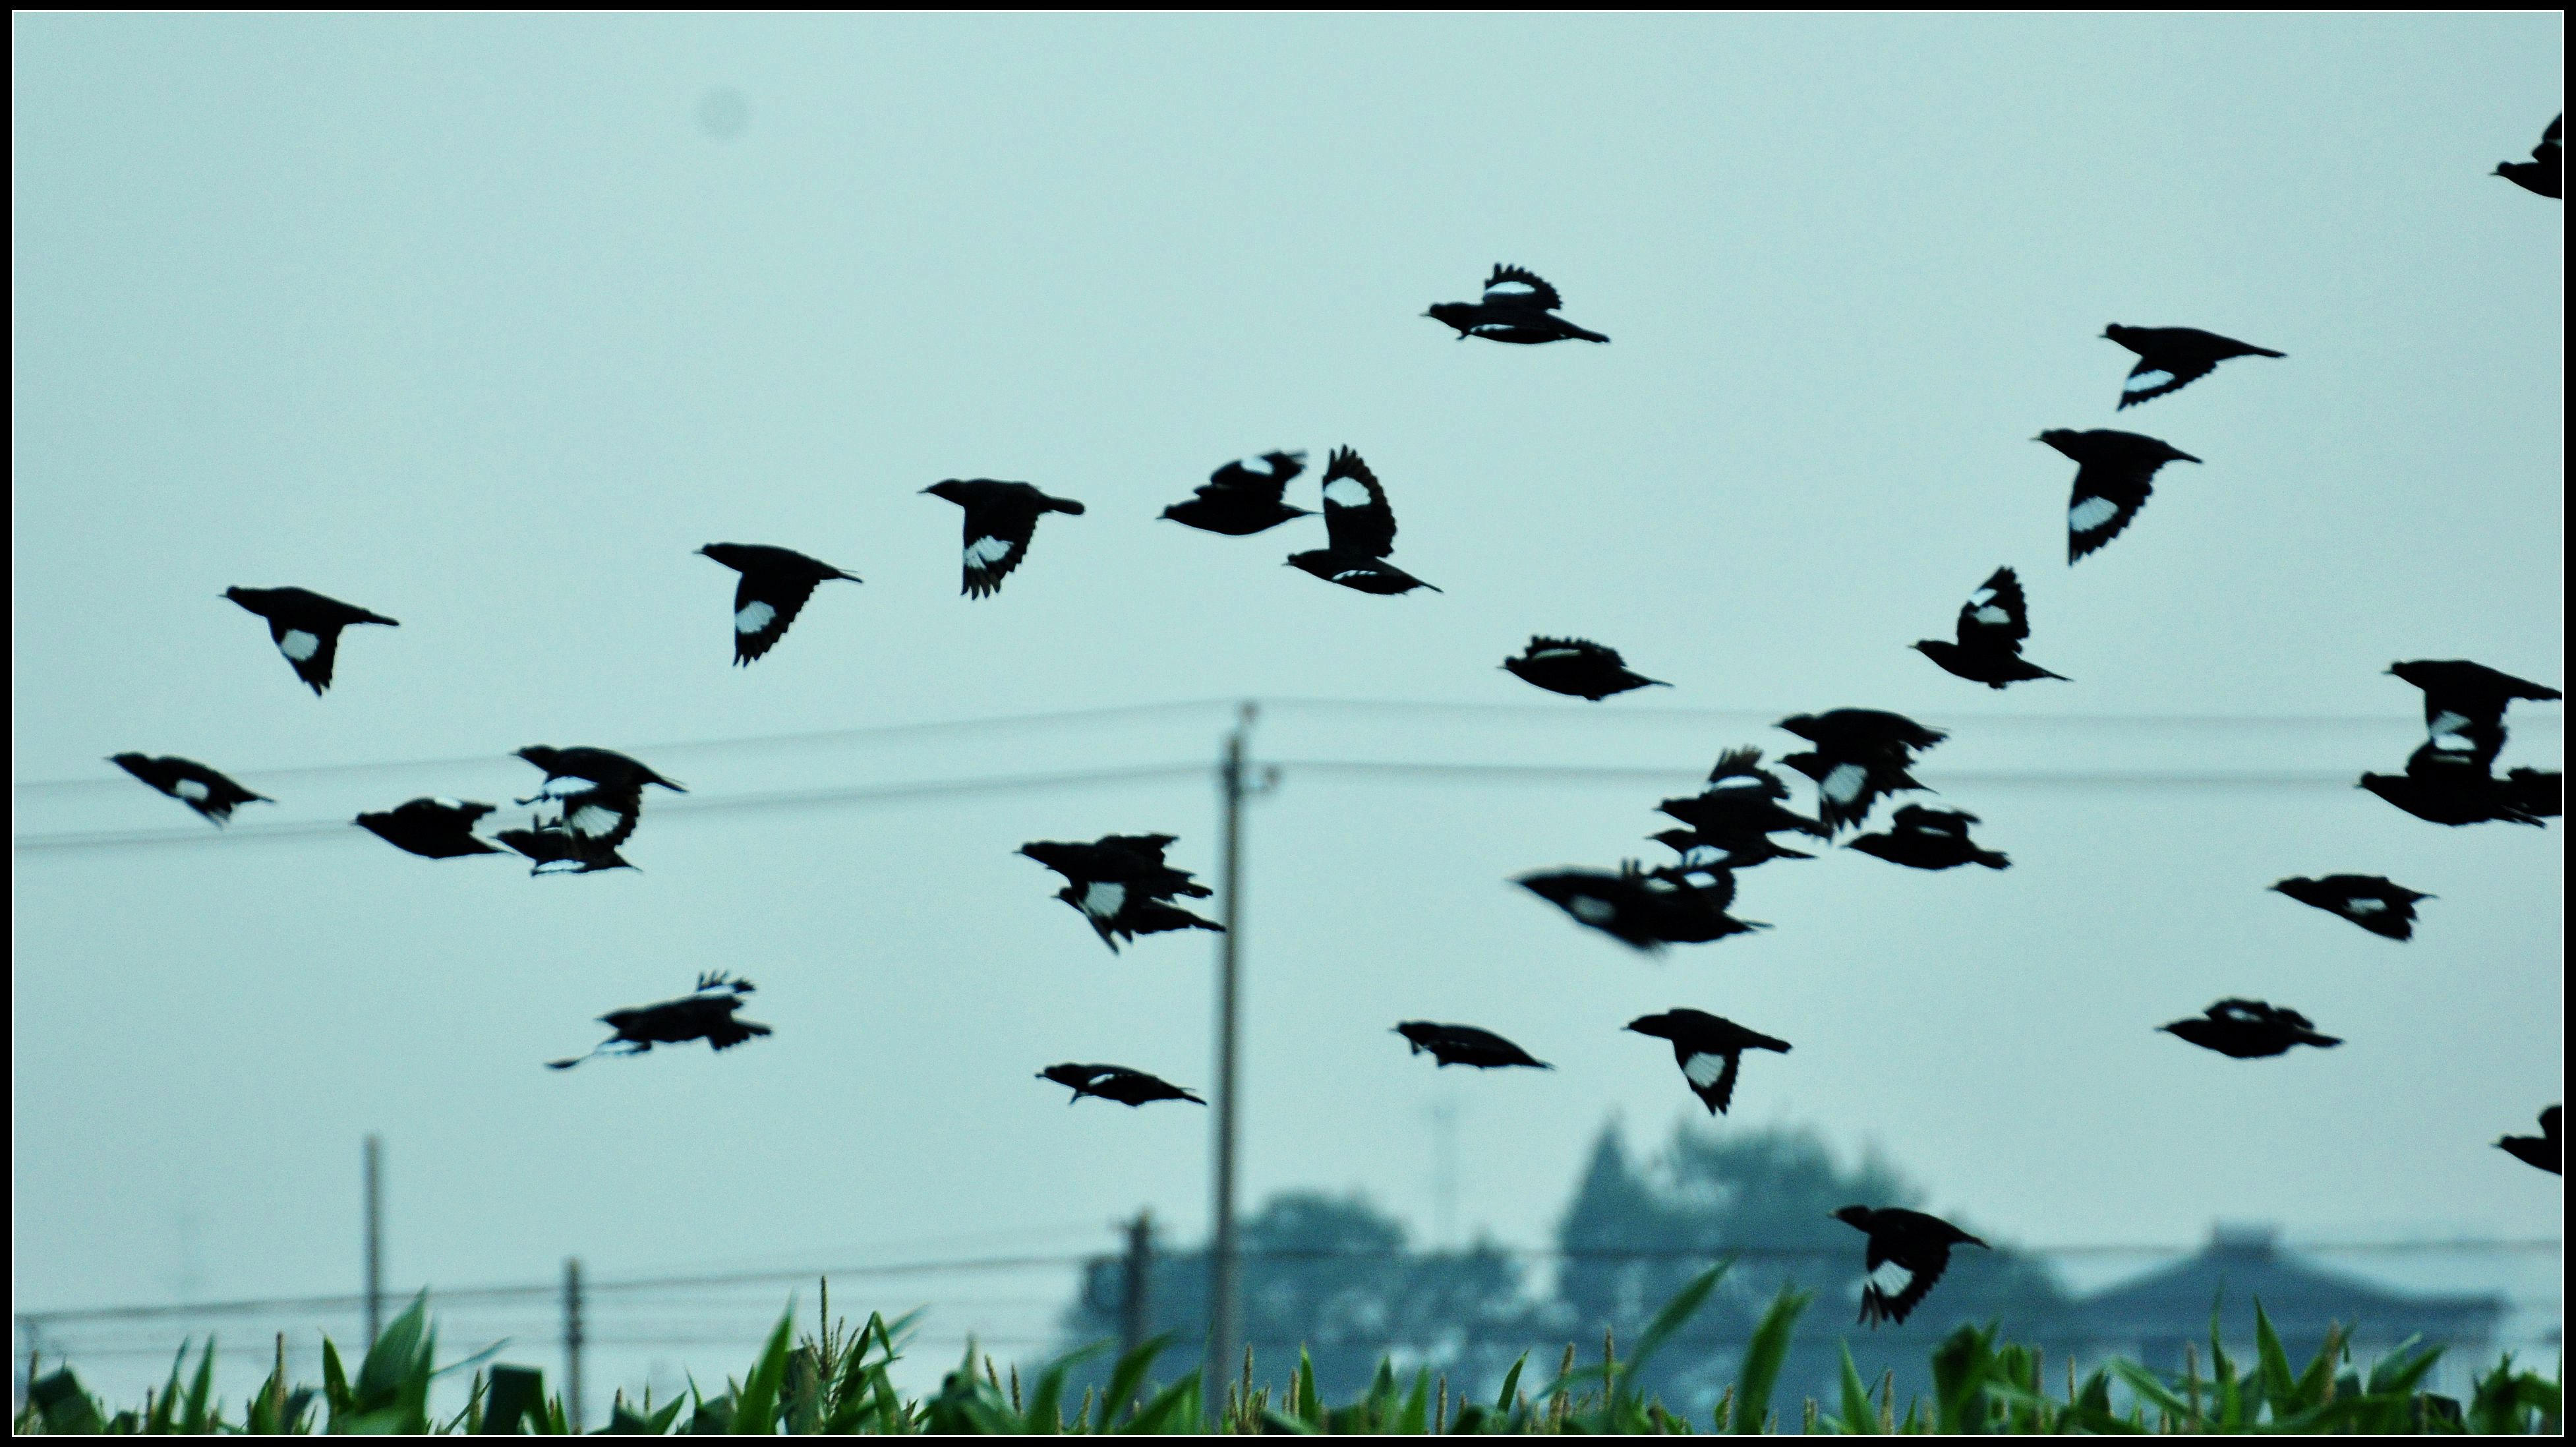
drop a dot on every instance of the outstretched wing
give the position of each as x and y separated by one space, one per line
1573 648
1996 616
1711 1075
1356 517
308 650
1513 286
763 605
2154 378
2546 153
1918 819
2108 492
997 537
1267 481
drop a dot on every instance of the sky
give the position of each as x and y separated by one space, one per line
486 323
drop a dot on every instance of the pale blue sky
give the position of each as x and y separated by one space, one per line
470 321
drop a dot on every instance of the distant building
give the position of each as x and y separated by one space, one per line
2149 1319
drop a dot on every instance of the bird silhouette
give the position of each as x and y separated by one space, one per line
2365 899
773 588
1577 668
2172 358
2543 1150
1465 1045
1115 1082
705 1014
2114 473
430 828
2249 1029
1926 838
1243 498
1992 626
1708 1049
1001 518
1516 307
213 796
305 626
1908 1251
2545 174
1359 531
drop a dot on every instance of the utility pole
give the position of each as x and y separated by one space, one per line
572 1342
1225 1305
375 1237
1134 1313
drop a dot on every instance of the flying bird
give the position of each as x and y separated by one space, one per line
2114 472
1516 307
1992 626
706 1014
1359 531
2543 1150
191 783
1120 885
1645 910
1577 668
561 851
2249 1029
430 828
1708 1049
1861 756
1465 1045
1244 497
305 626
2366 899
1115 1082
1908 1251
774 586
2172 358
2446 787
1001 517
1927 838
1735 814
2545 174
2464 704
601 791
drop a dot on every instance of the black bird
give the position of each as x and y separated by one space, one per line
1705 853
1359 531
1121 886
561 851
2114 472
775 584
1465 1045
1917 1246
2464 704
1001 517
1861 755
1115 1082
1735 815
2543 1150
1516 307
2366 899
1576 667
305 626
1643 910
1240 499
1992 625
2249 1029
2172 358
707 1014
191 783
601 791
1708 1049
2545 174
430 828
2443 787
1926 838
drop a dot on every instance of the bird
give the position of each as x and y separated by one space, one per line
1359 531
2172 358
2249 1029
561 851
191 783
1120 885
2545 173
1701 852
1992 625
2465 703
305 626
704 1014
2366 899
1861 755
1735 814
1927 838
1516 307
1708 1049
2445 787
774 586
1916 1245
601 791
1645 910
1001 517
1465 1045
1577 668
430 828
1244 497
1115 1082
2543 1150
2114 472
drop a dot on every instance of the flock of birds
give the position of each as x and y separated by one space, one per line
1122 886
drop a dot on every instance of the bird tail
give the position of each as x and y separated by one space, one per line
1572 330
1994 859
1064 505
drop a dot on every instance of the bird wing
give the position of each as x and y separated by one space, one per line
1949 823
997 537
1540 647
1741 770
765 601
603 816
2546 153
1711 1074
2155 376
729 1032
1357 519
2108 492
1269 484
1996 616
308 651
1514 286
1922 1263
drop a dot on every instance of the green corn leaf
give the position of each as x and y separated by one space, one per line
392 1357
2315 1382
2152 1387
1174 1409
335 1388
162 1412
1763 1358
194 1420
1961 1366
1414 1417
1128 1375
755 1411
62 1406
1676 1314
515 1392
1859 1418
1046 1398
1306 1402
1284 1424
2397 1372
1511 1384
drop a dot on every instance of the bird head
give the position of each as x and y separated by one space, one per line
2115 333
1458 314
537 754
1650 1025
948 489
1854 1216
